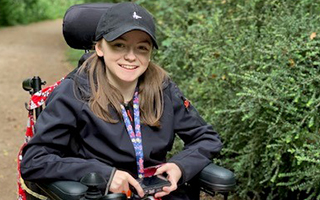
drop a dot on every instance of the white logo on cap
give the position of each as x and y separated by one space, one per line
136 16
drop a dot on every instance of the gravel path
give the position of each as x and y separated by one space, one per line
25 51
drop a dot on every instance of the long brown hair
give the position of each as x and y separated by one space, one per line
104 96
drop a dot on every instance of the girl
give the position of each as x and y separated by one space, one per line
118 115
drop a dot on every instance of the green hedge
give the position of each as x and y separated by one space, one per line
13 12
251 67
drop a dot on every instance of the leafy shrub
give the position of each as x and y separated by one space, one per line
251 67
13 12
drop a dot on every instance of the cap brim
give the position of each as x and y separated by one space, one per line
122 30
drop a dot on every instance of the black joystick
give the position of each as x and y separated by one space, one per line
92 181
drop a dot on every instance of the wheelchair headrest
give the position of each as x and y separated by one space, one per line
80 22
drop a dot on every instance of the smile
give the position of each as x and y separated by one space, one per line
130 67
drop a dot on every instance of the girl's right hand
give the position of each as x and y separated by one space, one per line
120 183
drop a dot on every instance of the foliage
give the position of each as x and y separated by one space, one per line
13 12
251 67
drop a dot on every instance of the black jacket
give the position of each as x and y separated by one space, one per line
71 141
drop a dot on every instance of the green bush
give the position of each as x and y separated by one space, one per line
251 67
13 12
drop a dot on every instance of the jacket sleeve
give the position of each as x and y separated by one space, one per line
201 143
48 155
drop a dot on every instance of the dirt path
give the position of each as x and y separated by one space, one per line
25 51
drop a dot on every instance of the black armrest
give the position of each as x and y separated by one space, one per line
216 179
61 190
211 179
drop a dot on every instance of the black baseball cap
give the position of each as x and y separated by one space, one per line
124 17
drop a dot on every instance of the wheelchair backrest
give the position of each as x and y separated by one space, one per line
80 22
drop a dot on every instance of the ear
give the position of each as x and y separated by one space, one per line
99 48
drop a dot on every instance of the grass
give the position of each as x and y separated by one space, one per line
74 55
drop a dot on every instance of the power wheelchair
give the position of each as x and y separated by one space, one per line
79 26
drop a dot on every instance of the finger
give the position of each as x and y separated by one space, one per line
116 182
161 169
136 185
170 188
165 191
173 182
125 188
161 194
116 186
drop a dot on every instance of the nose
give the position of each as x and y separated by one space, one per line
130 56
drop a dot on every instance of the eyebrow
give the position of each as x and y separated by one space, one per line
143 41
146 41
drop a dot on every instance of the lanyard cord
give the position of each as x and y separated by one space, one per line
135 136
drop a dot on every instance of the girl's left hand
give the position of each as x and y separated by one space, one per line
174 174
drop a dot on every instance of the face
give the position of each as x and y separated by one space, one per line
126 58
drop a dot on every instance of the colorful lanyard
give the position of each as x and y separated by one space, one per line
135 136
